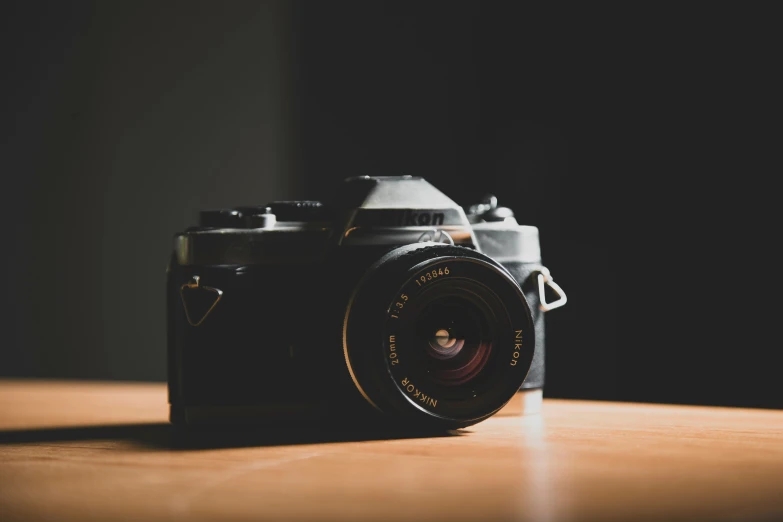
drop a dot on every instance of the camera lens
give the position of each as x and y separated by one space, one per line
440 334
457 338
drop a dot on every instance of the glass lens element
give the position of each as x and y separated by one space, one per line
454 333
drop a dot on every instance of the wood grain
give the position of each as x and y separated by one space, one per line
103 451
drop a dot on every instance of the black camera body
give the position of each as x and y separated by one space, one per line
390 304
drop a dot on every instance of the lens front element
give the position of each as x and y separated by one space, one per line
462 341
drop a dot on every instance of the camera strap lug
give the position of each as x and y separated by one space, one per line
198 300
544 280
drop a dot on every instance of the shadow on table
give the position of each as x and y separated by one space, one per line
164 436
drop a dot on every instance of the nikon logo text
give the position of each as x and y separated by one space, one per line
411 218
517 347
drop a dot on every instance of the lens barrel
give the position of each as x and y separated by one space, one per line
438 334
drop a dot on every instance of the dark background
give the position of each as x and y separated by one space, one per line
639 140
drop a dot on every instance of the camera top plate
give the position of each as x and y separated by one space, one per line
368 211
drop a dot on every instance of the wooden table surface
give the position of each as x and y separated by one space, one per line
104 451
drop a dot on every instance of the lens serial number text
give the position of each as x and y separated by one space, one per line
431 275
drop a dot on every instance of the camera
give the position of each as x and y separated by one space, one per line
389 304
